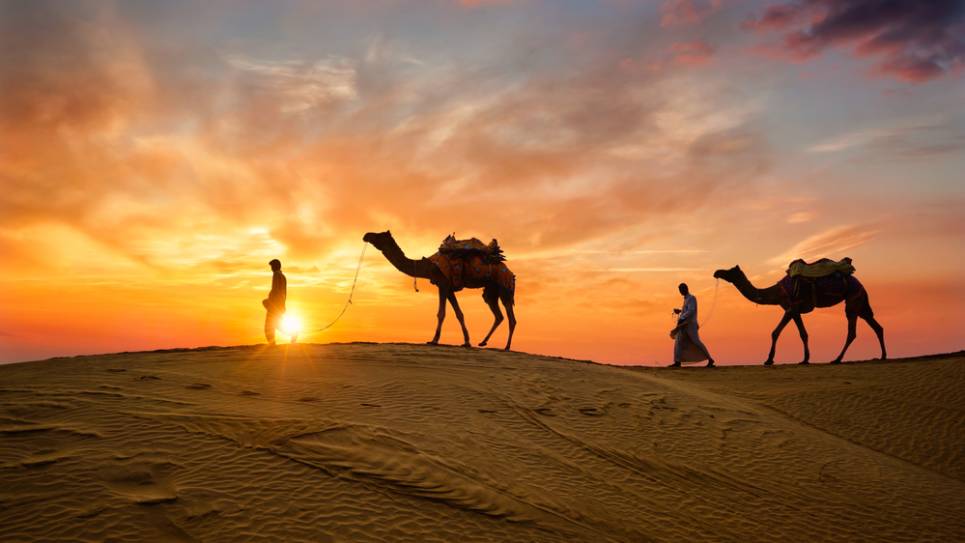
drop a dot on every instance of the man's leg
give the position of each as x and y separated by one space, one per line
271 322
678 347
693 335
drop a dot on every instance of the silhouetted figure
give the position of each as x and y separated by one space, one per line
687 346
798 295
275 303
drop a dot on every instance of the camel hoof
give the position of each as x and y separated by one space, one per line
835 362
803 363
467 345
768 362
505 349
482 343
432 343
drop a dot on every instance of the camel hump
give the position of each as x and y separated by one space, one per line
820 268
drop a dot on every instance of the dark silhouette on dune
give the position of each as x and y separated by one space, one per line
497 282
275 302
802 296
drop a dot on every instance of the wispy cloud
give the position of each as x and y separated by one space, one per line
669 269
799 217
687 12
299 85
832 243
906 138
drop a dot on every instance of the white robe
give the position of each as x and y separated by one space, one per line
687 346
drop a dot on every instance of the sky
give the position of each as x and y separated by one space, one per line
155 155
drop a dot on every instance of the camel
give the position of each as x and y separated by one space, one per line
424 268
822 292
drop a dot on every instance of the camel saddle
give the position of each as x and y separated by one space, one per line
473 263
472 247
818 283
820 268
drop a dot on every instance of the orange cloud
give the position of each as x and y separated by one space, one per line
692 53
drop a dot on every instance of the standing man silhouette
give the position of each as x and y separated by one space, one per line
275 303
687 346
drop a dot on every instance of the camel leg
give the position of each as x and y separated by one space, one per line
776 334
441 316
879 331
462 320
852 332
497 316
804 337
511 315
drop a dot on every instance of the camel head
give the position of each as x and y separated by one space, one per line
730 275
379 240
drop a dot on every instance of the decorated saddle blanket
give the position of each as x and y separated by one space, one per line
820 268
807 293
473 271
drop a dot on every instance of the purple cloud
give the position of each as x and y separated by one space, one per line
912 40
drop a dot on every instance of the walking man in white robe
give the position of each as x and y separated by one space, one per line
687 346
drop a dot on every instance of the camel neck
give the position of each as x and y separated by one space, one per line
414 268
766 296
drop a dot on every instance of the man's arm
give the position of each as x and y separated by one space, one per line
688 310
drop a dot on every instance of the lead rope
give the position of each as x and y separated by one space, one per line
414 278
350 294
713 305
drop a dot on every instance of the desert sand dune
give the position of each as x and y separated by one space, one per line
411 443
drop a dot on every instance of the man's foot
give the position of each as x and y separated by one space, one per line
674 365
711 364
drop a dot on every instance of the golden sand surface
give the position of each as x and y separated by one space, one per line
390 442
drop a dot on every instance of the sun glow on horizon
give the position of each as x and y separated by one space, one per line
291 324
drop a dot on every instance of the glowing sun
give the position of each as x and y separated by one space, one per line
291 324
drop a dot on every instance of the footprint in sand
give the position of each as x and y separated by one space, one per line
592 411
148 378
370 405
308 399
250 393
116 370
486 410
198 386
545 411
